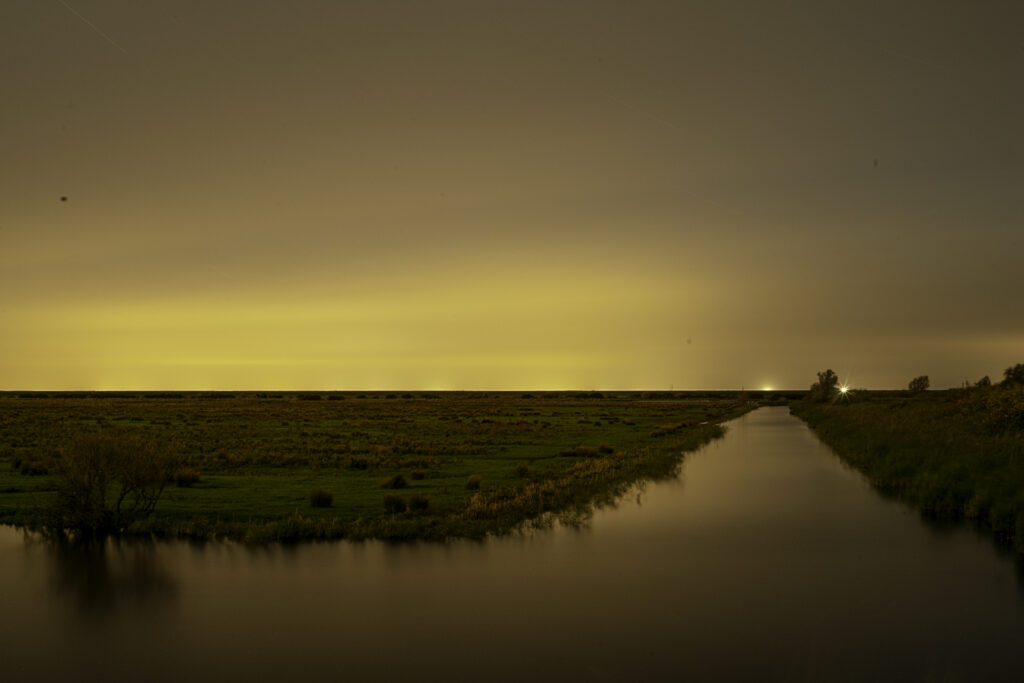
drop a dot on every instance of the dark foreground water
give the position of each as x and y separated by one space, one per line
765 560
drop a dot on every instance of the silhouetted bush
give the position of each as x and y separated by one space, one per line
918 384
825 388
395 482
419 474
983 382
1013 375
394 503
523 471
473 482
319 498
419 503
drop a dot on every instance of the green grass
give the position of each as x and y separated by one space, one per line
946 453
253 462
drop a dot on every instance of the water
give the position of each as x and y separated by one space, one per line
765 560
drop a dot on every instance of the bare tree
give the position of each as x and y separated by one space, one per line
106 480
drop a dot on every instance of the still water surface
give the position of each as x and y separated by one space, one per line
766 559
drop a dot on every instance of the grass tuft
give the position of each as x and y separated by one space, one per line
319 498
394 503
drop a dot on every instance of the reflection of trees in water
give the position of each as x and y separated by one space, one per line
102 577
948 527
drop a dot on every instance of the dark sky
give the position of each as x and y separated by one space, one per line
498 195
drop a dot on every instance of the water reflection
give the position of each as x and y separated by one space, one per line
101 577
773 562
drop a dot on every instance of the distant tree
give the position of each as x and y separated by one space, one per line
983 382
1013 375
918 384
825 388
828 380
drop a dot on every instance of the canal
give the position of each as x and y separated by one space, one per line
766 559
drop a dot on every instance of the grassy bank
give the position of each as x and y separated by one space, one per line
951 454
267 467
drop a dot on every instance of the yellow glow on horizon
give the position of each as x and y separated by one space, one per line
573 328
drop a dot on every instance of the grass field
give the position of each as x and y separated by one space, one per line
951 454
263 467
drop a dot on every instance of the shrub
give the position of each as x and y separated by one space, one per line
580 451
523 471
107 480
419 474
918 384
473 483
395 482
31 468
185 477
1003 409
1013 375
983 382
419 503
319 498
394 503
825 388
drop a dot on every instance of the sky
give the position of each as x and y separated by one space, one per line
509 195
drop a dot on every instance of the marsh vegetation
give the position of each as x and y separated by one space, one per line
266 467
953 454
